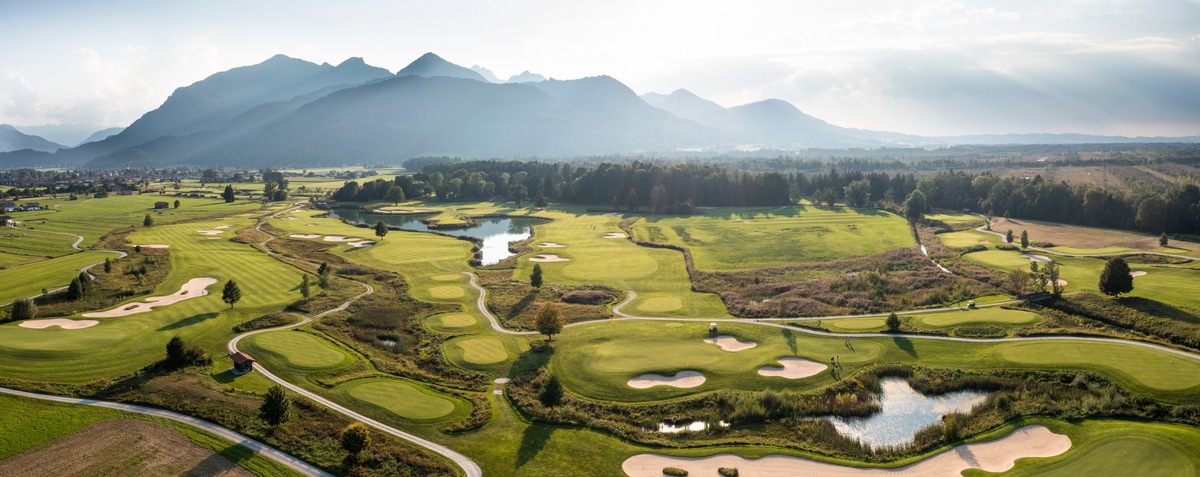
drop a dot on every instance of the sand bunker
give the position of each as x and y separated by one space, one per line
1061 282
290 218
214 238
59 322
339 238
729 343
220 227
548 257
156 245
793 368
1137 273
306 236
362 243
194 288
210 232
682 379
612 214
614 235
550 245
994 456
1037 258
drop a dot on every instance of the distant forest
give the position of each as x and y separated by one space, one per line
678 188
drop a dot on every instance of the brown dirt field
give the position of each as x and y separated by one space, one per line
1086 237
122 447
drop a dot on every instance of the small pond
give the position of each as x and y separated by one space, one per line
905 411
694 426
495 232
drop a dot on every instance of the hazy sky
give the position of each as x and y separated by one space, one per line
930 68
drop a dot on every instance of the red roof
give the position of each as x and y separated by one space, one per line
240 357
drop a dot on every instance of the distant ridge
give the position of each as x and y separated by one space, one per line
12 139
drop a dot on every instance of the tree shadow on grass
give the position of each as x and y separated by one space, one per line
905 345
520 306
530 361
532 441
790 337
223 461
1154 307
189 321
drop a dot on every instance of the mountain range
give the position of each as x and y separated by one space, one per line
286 112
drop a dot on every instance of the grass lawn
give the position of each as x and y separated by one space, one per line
477 350
741 239
1155 370
967 238
298 348
29 279
1092 240
19 246
980 316
1109 447
122 345
956 218
399 397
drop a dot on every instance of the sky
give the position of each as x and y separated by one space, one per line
920 67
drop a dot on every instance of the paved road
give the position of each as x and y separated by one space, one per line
224 433
469 467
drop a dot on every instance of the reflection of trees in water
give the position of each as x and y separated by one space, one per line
515 227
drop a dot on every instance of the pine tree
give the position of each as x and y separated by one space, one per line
535 278
305 289
552 392
108 265
228 194
1115 279
893 322
1024 239
1008 236
1163 240
276 408
148 221
232 293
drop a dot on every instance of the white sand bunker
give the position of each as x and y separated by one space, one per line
210 232
729 343
59 322
994 456
793 368
614 235
1061 282
194 288
682 379
305 236
220 227
1137 273
290 218
1037 258
155 245
550 245
362 243
339 238
548 257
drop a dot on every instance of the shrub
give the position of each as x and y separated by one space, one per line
728 471
587 297
676 471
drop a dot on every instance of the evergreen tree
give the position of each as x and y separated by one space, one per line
893 322
276 408
108 265
232 293
535 278
1115 279
176 203
305 289
323 273
552 392
1163 240
1008 236
1024 239
228 194
356 438
148 221
549 321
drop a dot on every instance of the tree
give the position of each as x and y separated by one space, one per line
1038 277
858 193
1017 281
228 194
80 287
176 203
181 354
549 321
232 293
1051 272
394 194
24 309
108 265
535 278
892 322
381 229
323 273
552 392
631 200
1008 236
305 289
1115 279
914 206
356 438
1024 239
276 408
148 221
1163 240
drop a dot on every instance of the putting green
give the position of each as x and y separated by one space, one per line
400 398
1154 369
453 320
447 292
660 304
643 355
482 350
1120 448
449 277
990 315
300 349
854 324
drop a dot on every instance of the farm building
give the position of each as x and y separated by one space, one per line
126 192
242 363
162 205
28 206
7 221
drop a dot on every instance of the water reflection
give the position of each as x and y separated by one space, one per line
905 411
496 232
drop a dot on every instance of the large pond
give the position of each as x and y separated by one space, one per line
495 232
905 411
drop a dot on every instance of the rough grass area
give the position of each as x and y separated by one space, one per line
1085 240
517 303
743 239
20 245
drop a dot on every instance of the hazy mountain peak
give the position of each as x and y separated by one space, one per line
12 139
352 61
101 135
486 74
430 65
526 77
